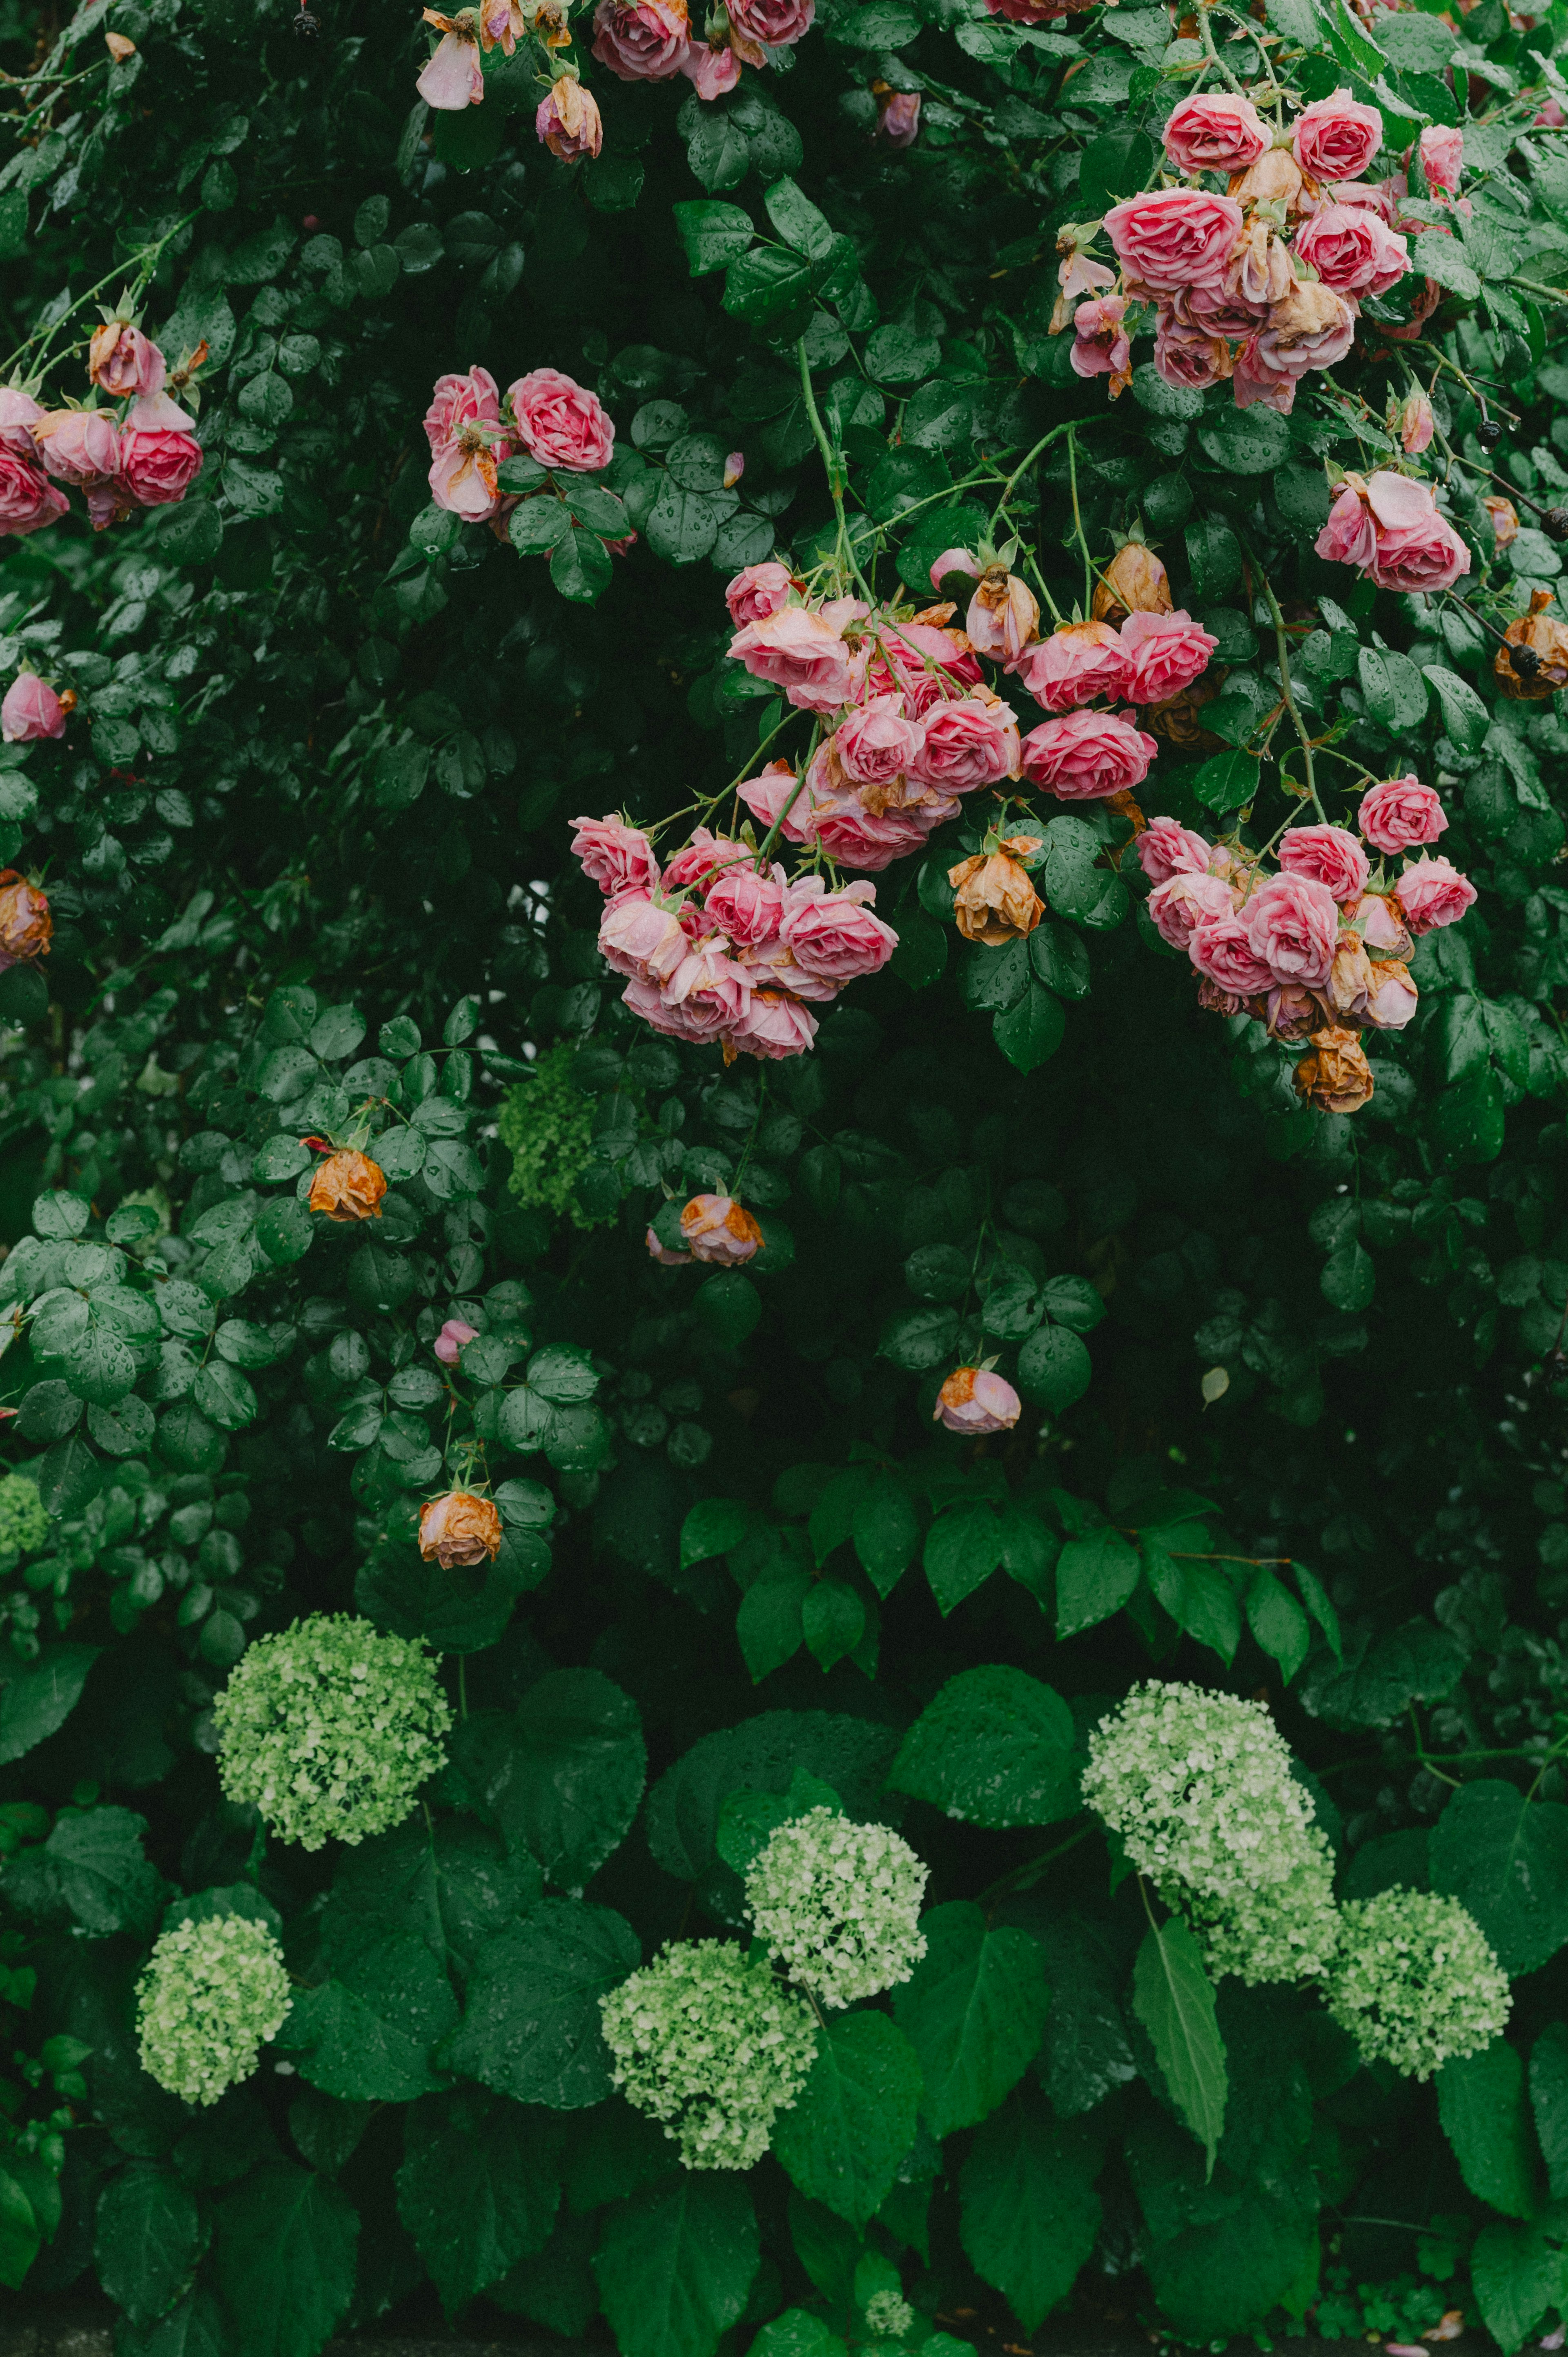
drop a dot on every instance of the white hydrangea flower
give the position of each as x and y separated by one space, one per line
330 1728
1416 1981
888 2316
1199 1787
213 1993
839 1905
709 2046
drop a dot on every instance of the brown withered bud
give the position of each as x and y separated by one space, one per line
1274 178
349 1187
26 923
459 1528
1350 982
1215 1001
994 900
1536 634
1334 1074
1505 520
1179 718
1291 1012
1134 582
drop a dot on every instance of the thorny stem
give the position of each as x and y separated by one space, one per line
834 462
1206 33
1286 690
144 262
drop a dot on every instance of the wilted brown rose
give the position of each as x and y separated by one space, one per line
1349 982
1215 1001
1291 1012
349 1187
119 48
1541 636
1335 1074
26 923
1274 178
1505 520
1178 718
994 900
459 1528
1134 582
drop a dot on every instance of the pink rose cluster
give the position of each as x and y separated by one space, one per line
1080 755
716 947
652 40
145 457
550 418
1390 527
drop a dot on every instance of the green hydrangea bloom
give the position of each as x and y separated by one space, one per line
212 1994
23 1518
888 2317
548 1123
330 1728
1416 1981
712 2047
839 1905
1199 1787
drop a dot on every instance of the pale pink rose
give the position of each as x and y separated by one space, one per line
463 428
449 1342
617 857
720 1231
1218 310
1551 118
773 798
1003 619
928 664
1078 274
1100 346
735 468
698 865
802 653
19 413
898 117
1079 661
747 906
462 478
1417 425
1400 813
772 966
640 939
1443 158
975 1400
1352 248
1329 855
666 1259
120 360
855 837
954 560
834 935
772 24
1292 924
1335 138
560 424
1392 999
1376 918
1431 892
1215 134
1187 354
1165 653
1385 196
970 742
455 76
1424 554
458 401
567 120
78 445
758 591
705 997
643 41
30 709
774 1026
877 742
1221 948
711 71
1165 850
1185 900
1084 756
1350 536
28 499
1173 237
159 456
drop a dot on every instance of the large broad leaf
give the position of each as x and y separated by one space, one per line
1549 2101
1173 1998
993 1748
1518 2272
676 2265
1480 2101
974 2012
479 2188
1221 2253
562 1778
1086 2055
853 2122
282 2260
40 1696
148 2237
1095 1576
1508 1860
761 1756
103 1876
531 2029
1030 2211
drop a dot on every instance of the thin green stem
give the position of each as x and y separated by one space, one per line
1286 690
834 462
1077 522
1206 34
144 262
1022 1878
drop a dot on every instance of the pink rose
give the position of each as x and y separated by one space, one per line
1173 237
970 742
699 864
1392 996
617 857
975 1400
30 709
1165 653
122 361
772 794
954 560
19 413
747 906
774 1026
1417 548
1376 918
1329 855
1215 134
1100 346
568 122
1312 327
78 445
159 456
463 428
928 664
28 499
705 996
720 1231
1350 536
451 1338
1431 892
802 653
1442 158
712 72
1084 756
1292 924
1221 948
1187 354
834 935
1551 118
454 75
458 401
758 591
1417 424
1219 310
1185 900
1079 661
855 837
560 424
1003 618
772 24
640 939
1335 138
666 1259
898 117
877 743
1165 850
1400 813
1352 248
641 41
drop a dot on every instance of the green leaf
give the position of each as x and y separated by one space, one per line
1549 2101
564 1776
1442 257
962 1548
762 1755
1095 1578
478 2189
918 1339
853 2122
1480 2101
367 2034
886 1531
1517 2273
1278 1622
1464 716
580 567
995 1748
714 234
40 1696
1508 1860
1116 164
148 2237
712 1527
1030 2214
1229 781
675 2264
1030 1032
974 2012
105 1879
20 2235
833 1620
1246 441
764 284
1200 1597
798 221
1173 1997
531 2026
1396 697
282 2260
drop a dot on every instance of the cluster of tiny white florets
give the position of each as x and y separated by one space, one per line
1199 1787
1416 1981
330 1728
212 1995
888 2316
712 2047
839 1905
24 1517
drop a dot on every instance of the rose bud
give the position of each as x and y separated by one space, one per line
898 116
26 923
159 456
1505 520
1543 637
1401 814
122 361
20 413
567 120
719 1230
994 900
1134 582
666 1259
449 1342
31 709
735 468
1334 1074
1349 982
349 1186
1417 425
119 48
459 1528
1004 616
973 1400
954 560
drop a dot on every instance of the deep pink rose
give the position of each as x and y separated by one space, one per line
1350 536
1431 892
1173 237
1183 901
954 560
1165 850
711 73
804 654
1079 661
834 935
120 360
641 41
772 24
78 445
927 662
1215 134
449 1342
1329 855
698 865
1165 653
640 939
617 857
1100 346
1221 948
560 424
159 456
1352 248
747 906
1187 354
1292 924
19 413
1084 756
1442 158
774 1026
970 742
28 499
758 591
1335 138
30 709
1400 813
454 76
877 742
975 1400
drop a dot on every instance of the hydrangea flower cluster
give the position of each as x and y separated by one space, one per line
1198 1785
545 416
24 1517
888 2316
1416 1981
143 455
1318 947
330 1729
213 1993
707 2043
839 1905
